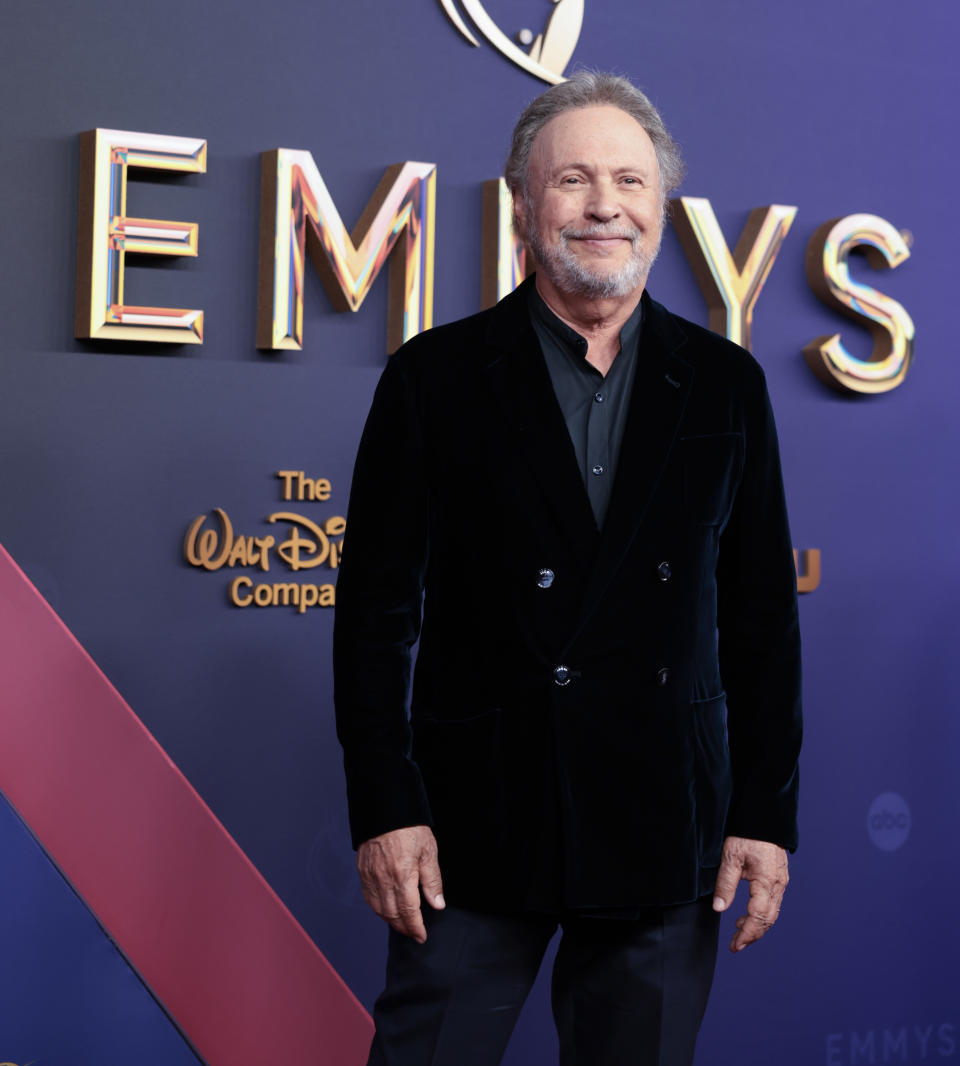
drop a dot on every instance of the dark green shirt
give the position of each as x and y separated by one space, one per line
594 407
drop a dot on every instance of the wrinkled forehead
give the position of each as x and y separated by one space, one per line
600 138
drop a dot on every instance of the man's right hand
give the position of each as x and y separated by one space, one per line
393 869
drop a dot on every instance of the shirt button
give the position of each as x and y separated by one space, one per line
545 578
663 676
561 675
598 397
598 469
664 571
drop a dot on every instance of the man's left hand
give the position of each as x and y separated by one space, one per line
764 867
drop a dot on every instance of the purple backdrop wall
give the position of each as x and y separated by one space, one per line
110 450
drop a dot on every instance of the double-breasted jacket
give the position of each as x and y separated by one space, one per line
591 711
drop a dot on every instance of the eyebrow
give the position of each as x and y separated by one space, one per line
620 169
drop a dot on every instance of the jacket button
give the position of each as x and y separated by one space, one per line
663 676
561 675
664 571
545 578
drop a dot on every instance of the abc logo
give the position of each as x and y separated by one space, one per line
888 821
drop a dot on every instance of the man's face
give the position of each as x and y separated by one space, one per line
592 212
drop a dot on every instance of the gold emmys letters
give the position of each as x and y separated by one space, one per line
399 223
829 276
105 233
296 210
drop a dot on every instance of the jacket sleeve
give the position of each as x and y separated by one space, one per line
759 637
378 612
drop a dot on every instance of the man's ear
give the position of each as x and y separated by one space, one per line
519 213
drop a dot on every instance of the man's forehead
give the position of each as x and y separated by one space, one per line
592 134
593 124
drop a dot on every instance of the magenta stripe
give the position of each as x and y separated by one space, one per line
195 917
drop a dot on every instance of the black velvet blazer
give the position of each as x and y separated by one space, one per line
588 743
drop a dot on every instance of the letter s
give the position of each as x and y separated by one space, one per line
892 328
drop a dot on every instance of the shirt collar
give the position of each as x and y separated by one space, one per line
572 342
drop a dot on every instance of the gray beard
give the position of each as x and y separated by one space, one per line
570 275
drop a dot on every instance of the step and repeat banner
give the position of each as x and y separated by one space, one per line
218 221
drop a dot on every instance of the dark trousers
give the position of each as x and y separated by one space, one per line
625 992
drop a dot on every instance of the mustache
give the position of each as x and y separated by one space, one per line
592 232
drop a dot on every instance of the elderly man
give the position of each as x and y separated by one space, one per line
574 501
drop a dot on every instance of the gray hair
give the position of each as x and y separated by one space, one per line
587 88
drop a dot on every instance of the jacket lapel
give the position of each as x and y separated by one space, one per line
520 382
661 386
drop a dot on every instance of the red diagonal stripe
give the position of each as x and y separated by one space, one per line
210 937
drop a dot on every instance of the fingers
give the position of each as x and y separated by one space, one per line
762 911
403 913
392 867
397 902
764 866
728 877
431 883
749 930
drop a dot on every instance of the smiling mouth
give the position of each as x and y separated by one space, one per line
600 237
606 243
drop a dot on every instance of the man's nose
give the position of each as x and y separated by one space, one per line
602 203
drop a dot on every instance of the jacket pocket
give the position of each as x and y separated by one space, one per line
712 776
712 465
